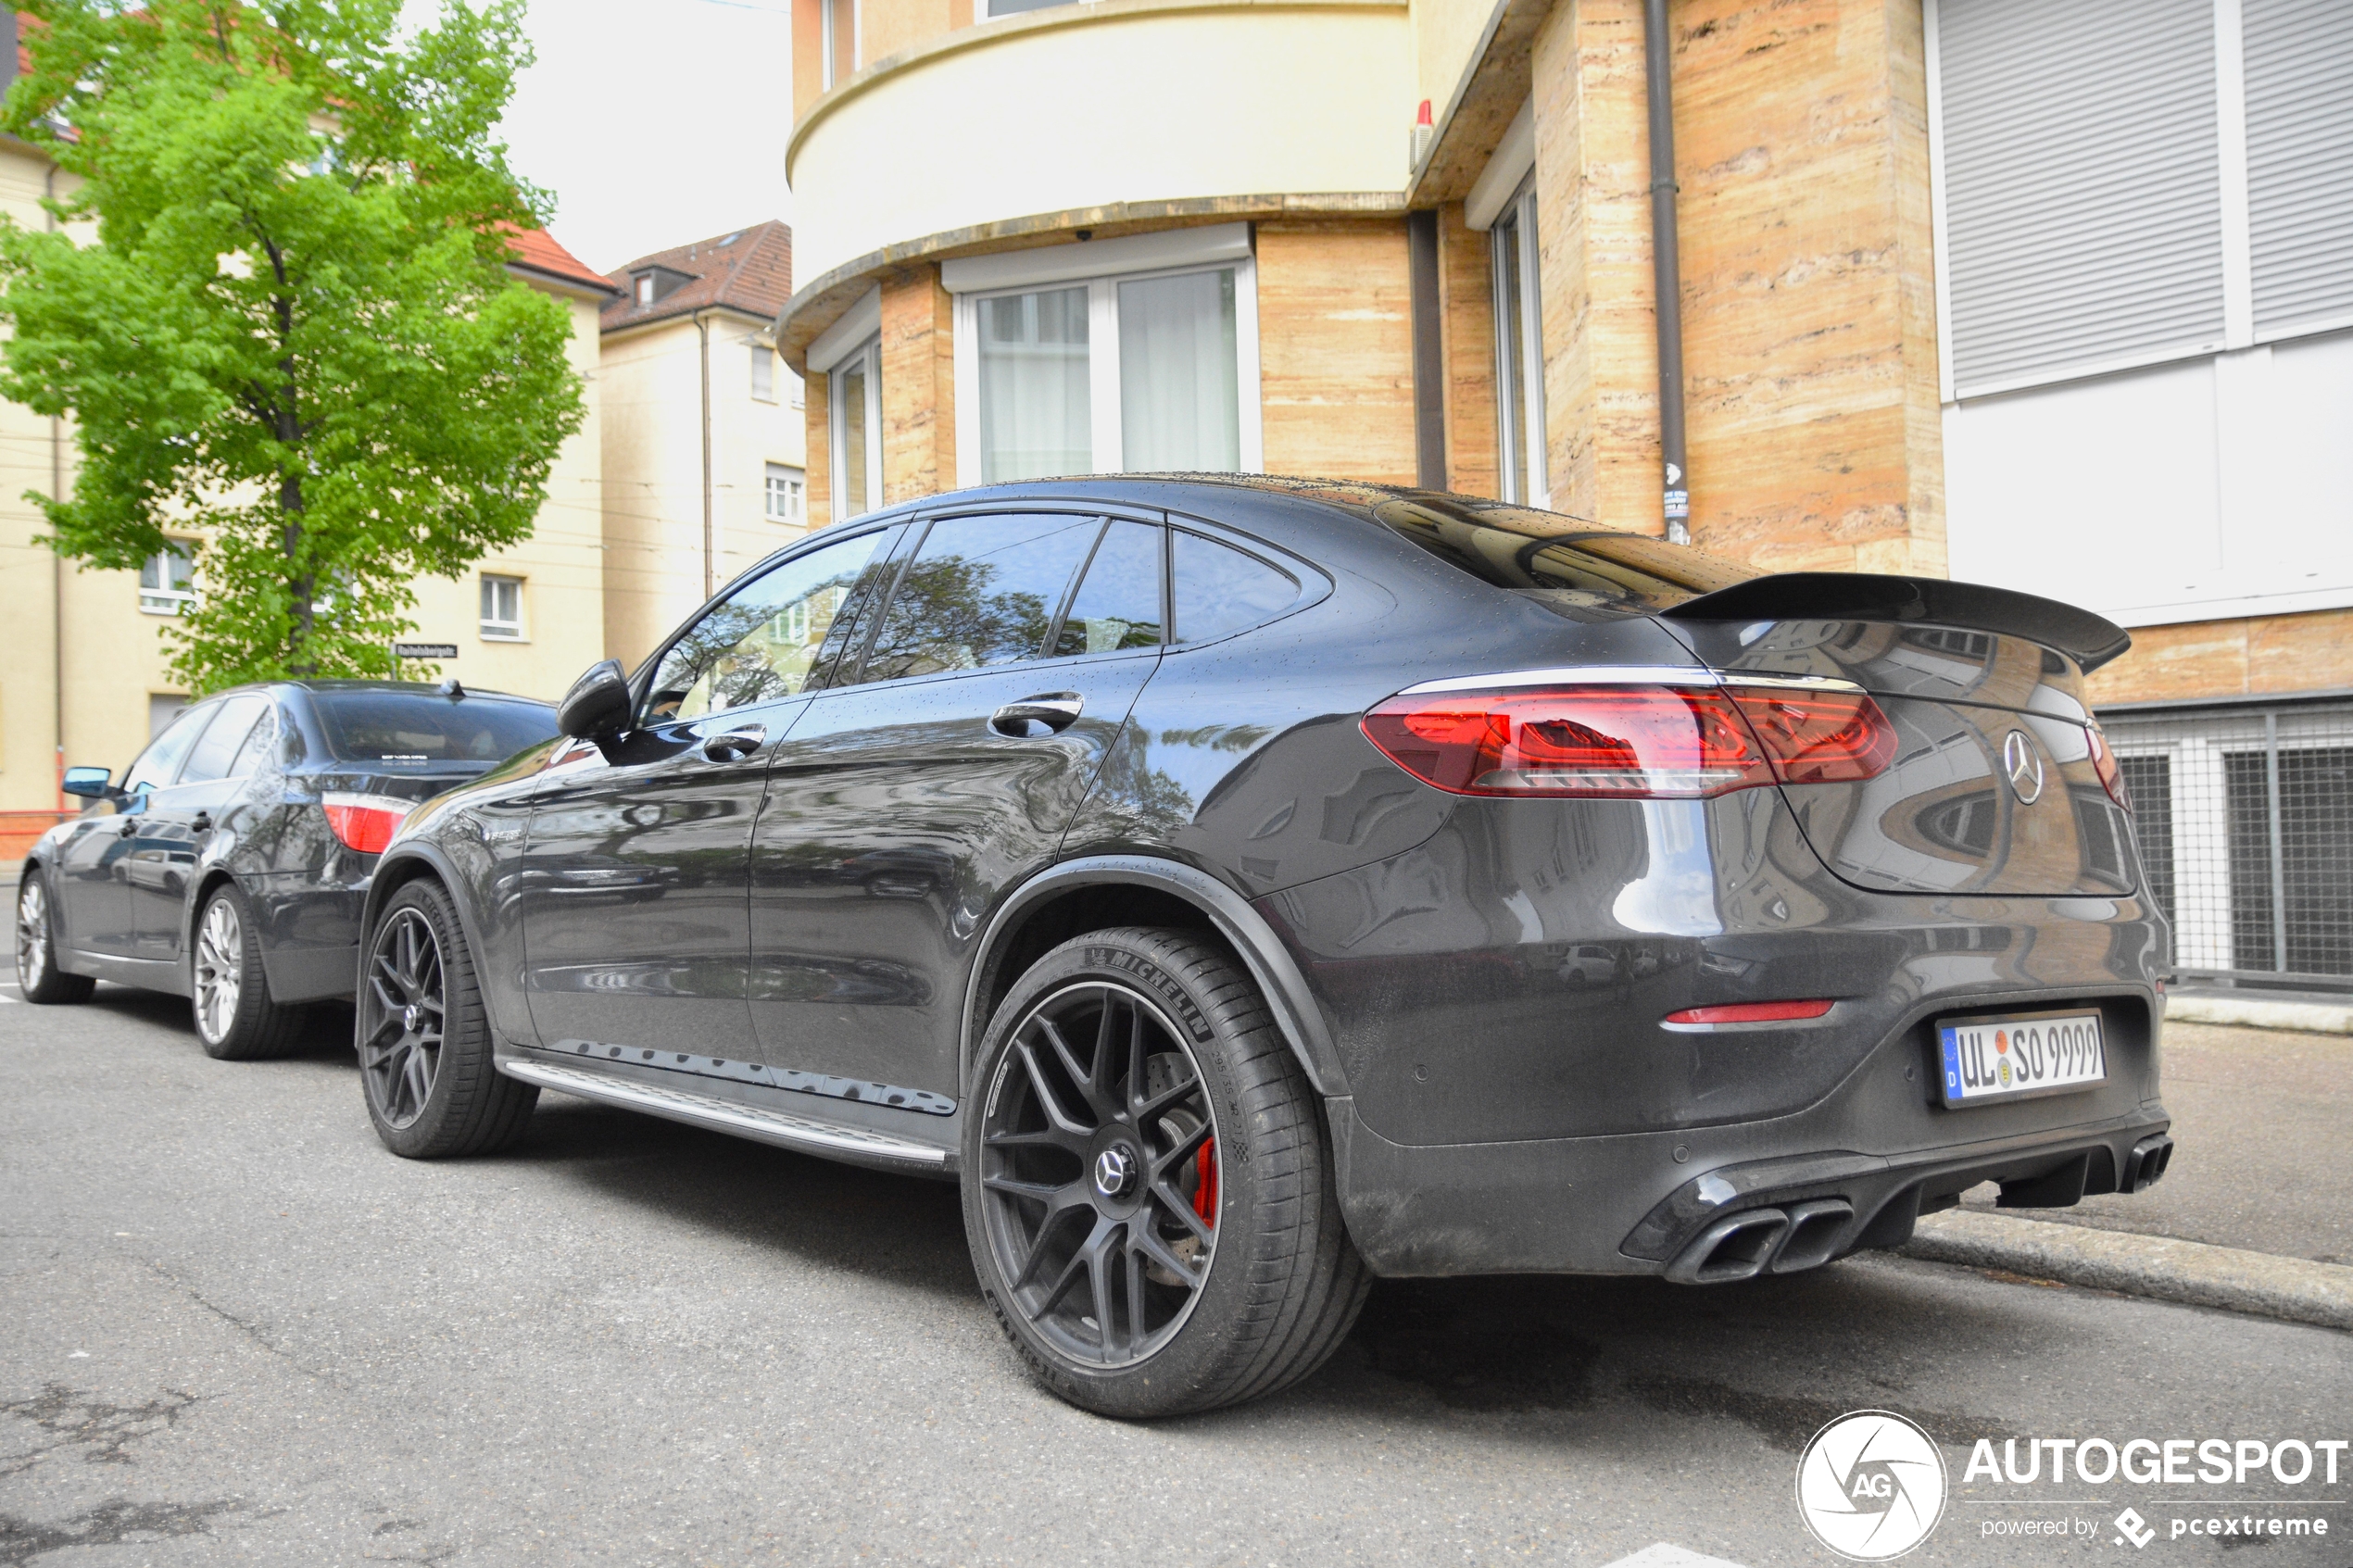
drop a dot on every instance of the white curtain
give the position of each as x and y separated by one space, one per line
1180 402
1034 419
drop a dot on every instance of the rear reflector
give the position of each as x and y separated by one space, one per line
1632 742
365 823
1751 1012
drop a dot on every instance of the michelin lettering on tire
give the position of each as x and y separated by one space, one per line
1871 1486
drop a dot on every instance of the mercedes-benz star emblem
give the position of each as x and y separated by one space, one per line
2023 767
1114 1168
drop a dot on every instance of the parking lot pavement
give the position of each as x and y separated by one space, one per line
232 1329
2258 1116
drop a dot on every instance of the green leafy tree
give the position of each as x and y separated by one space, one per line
293 333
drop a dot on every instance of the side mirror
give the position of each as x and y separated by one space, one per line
598 706
88 783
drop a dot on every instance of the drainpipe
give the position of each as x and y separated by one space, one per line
1668 274
702 330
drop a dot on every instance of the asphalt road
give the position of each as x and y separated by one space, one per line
233 1329
2255 1113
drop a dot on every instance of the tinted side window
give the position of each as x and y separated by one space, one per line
765 642
1221 590
161 759
980 591
254 756
222 738
1118 603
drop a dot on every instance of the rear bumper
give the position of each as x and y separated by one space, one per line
1864 1162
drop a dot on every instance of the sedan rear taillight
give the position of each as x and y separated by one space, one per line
365 823
2104 764
1632 742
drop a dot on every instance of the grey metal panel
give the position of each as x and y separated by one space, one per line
2300 156
2082 184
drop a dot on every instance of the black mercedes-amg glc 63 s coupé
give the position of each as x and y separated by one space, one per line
1245 887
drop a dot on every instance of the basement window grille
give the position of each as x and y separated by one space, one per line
2243 817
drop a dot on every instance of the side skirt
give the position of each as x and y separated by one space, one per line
804 1134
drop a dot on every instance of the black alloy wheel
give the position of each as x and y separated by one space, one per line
1147 1183
1099 1161
400 1042
426 1062
37 972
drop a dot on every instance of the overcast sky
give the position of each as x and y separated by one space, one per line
654 122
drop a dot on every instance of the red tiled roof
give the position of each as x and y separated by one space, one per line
749 270
541 251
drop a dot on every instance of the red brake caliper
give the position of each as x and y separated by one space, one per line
1205 1190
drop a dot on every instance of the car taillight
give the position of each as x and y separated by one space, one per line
1610 741
2104 764
365 823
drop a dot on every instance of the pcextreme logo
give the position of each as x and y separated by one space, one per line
1871 1486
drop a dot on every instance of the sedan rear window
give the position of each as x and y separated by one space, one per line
1519 548
427 727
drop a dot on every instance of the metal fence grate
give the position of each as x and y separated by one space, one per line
2244 817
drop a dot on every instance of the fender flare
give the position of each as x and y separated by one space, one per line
380 888
1270 964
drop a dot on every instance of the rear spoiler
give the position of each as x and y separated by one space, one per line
2090 640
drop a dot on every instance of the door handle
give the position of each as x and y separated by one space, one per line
129 825
734 745
1033 717
203 823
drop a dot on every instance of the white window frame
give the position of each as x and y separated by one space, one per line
167 599
826 30
1519 428
867 356
796 482
762 350
502 631
1102 266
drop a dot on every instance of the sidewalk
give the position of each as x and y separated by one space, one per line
2263 1121
2255 1214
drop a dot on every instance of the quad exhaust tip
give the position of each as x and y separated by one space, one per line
2147 1163
1780 1241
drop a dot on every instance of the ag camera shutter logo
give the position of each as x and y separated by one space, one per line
1871 1486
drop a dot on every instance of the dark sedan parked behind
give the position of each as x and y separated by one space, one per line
1247 886
230 864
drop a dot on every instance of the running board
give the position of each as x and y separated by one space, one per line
728 1116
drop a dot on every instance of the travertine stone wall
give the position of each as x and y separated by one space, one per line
1809 310
1466 328
2260 656
1808 277
918 385
1592 173
1335 349
819 411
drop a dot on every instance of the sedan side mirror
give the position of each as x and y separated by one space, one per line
88 783
598 706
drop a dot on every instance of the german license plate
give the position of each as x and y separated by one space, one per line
2035 1053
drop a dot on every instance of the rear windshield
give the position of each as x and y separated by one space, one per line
1544 552
428 727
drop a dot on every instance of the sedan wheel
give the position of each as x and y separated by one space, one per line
37 972
221 965
427 1068
230 996
1148 1191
